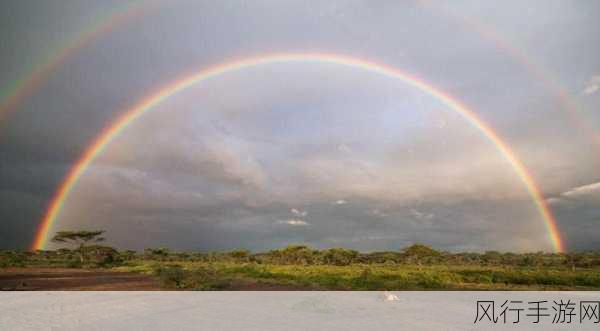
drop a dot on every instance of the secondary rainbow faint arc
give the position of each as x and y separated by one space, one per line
148 103
40 72
546 77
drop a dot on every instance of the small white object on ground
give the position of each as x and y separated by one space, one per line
387 296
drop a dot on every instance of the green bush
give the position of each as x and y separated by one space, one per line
171 275
74 264
12 259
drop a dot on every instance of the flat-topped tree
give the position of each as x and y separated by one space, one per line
79 238
418 253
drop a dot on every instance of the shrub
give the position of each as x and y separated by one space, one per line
12 259
171 275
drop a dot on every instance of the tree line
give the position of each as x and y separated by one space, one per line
84 249
418 254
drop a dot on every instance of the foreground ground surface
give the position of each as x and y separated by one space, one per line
45 279
221 310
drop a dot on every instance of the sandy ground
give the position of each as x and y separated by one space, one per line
59 279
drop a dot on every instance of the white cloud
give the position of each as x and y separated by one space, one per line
579 192
378 213
293 222
583 190
421 215
344 148
299 213
341 202
592 86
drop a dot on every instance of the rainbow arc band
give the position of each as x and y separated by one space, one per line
38 75
146 104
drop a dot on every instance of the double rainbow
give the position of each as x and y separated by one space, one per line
148 103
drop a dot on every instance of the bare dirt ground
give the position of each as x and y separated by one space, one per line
63 279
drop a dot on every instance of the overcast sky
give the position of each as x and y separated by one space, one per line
320 154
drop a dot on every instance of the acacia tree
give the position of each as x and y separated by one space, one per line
79 238
417 253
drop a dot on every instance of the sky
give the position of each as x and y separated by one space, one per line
303 153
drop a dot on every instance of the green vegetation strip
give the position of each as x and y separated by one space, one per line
300 267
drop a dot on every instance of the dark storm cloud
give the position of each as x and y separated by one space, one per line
231 176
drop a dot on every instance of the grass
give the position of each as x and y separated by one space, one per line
231 275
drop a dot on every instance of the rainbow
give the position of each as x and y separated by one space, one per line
146 104
39 73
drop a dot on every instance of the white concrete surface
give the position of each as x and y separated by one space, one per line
268 310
